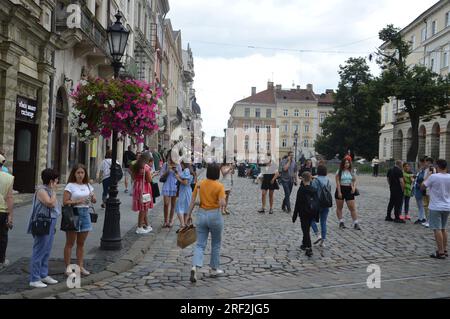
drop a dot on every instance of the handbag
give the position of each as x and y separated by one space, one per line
356 192
40 225
186 236
69 219
145 197
93 214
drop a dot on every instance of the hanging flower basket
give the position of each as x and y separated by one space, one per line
129 107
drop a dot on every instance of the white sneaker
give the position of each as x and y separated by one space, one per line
148 229
37 284
49 280
141 231
322 243
216 272
427 224
319 238
4 264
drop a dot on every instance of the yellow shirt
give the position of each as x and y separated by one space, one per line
210 193
6 183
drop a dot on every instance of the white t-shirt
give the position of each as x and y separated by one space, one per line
78 191
106 168
439 186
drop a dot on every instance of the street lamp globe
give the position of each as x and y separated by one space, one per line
117 38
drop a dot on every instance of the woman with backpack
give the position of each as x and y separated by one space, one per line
323 187
307 208
345 191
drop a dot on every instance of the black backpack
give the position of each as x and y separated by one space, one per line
325 198
312 205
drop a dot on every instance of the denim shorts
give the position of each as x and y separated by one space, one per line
84 221
438 219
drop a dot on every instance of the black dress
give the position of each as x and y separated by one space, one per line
266 182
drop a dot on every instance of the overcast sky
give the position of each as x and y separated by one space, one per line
238 44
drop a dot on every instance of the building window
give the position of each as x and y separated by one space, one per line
128 7
139 15
306 113
433 28
257 146
269 113
295 127
306 143
247 112
284 143
447 19
386 113
246 144
432 65
258 113
268 128
286 113
384 148
445 59
424 34
413 42
296 113
323 116
246 127
306 128
268 146
286 127
257 127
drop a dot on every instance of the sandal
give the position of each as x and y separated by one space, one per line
165 225
171 224
271 212
437 255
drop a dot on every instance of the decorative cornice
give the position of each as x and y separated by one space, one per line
30 80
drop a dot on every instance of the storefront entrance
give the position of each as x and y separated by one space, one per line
24 165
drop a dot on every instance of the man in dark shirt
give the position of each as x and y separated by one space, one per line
128 157
397 188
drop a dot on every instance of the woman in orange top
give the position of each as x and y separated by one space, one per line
209 220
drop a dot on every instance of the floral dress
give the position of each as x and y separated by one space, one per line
138 206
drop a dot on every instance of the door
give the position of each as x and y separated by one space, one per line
24 165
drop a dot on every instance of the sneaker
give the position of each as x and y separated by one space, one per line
424 221
216 272
407 217
141 231
37 284
322 243
147 228
309 252
401 217
4 264
342 225
417 222
271 212
193 277
389 219
319 239
126 191
356 227
84 271
399 221
49 280
262 211
427 225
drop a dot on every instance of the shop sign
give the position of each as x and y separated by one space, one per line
26 109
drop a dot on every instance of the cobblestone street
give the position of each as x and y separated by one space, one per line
261 257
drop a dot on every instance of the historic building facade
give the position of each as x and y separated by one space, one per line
291 111
429 36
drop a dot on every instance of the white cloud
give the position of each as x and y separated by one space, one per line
225 73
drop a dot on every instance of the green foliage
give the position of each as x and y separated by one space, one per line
355 122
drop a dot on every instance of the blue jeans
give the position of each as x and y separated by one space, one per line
323 215
208 222
42 247
106 183
421 208
287 186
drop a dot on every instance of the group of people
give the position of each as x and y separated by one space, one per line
309 205
431 188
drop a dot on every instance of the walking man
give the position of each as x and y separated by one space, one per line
6 211
439 190
397 188
288 169
375 165
128 157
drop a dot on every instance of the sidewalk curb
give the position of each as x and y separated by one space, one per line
130 259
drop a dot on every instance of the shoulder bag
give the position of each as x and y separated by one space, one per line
40 225
69 218
145 197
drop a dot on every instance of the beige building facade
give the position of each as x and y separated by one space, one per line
429 36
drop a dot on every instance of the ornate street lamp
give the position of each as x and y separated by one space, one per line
111 239
296 139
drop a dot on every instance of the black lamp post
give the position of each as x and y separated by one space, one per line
296 139
111 239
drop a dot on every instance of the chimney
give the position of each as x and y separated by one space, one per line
253 90
278 87
269 85
309 87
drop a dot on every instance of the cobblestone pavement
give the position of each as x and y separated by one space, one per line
262 259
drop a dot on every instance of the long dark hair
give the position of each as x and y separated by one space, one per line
342 167
140 163
73 179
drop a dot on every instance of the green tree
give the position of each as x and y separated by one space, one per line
355 122
425 93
